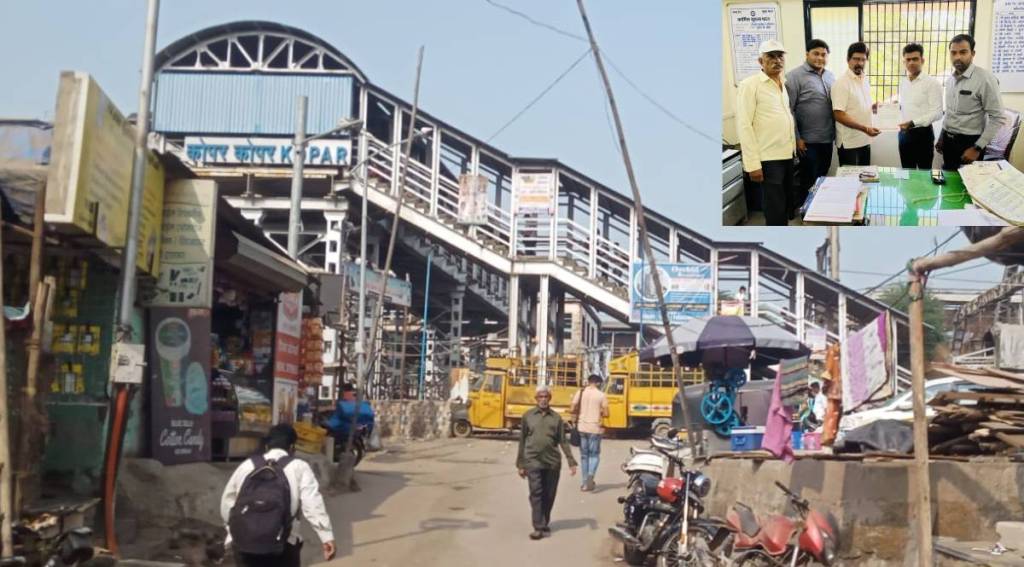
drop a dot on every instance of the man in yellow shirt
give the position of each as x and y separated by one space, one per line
767 133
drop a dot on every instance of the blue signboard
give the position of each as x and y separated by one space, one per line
687 289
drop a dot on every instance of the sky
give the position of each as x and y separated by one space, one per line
483 65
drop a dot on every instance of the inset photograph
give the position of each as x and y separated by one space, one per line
875 113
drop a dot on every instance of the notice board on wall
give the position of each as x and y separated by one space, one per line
1008 45
749 25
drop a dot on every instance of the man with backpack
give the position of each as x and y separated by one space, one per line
262 500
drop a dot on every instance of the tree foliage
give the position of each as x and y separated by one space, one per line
898 297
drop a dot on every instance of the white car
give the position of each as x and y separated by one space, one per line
902 407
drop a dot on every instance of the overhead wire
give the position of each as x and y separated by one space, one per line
540 96
899 273
654 102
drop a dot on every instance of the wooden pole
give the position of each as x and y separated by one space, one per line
6 512
1001 240
642 225
31 439
28 432
378 307
401 362
920 479
833 251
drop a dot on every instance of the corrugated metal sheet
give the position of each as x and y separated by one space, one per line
232 103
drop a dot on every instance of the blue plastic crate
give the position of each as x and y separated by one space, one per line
746 438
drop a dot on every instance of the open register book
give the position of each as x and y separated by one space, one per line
1001 190
837 200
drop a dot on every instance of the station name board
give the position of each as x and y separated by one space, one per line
206 150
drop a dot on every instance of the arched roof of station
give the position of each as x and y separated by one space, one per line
255 46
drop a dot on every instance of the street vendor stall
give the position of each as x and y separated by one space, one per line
225 296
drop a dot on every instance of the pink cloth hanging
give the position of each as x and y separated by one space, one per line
778 430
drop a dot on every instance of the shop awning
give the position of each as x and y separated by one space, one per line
259 266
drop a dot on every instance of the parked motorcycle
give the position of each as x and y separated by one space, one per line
780 540
339 423
663 514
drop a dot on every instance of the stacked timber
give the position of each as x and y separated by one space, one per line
986 420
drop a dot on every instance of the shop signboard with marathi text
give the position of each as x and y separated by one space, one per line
179 367
472 199
214 151
188 234
89 179
399 291
534 192
686 287
867 372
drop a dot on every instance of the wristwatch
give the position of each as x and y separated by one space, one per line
979 148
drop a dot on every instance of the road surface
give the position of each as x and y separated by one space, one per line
459 502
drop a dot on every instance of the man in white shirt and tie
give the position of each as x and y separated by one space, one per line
920 107
852 108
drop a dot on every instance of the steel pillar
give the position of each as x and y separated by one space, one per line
543 309
455 326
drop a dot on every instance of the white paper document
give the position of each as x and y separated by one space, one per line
1003 194
974 174
856 170
901 173
968 216
835 200
887 118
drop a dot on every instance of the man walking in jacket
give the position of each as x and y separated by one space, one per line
304 495
542 434
589 407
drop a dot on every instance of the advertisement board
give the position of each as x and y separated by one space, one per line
179 352
534 192
187 242
89 179
686 287
287 335
472 199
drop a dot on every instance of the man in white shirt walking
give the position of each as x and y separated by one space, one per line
767 133
852 108
303 492
589 406
920 106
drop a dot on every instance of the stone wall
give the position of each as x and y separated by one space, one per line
873 502
412 419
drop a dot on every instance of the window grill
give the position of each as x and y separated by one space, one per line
887 26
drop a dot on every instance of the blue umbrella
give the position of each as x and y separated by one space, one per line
725 340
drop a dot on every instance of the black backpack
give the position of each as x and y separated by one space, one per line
261 519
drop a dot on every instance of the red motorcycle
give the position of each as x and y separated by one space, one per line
780 540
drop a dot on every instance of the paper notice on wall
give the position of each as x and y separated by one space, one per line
749 25
1008 45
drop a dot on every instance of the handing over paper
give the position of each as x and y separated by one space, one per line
887 119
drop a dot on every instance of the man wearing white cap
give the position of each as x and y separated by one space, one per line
767 133
542 434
